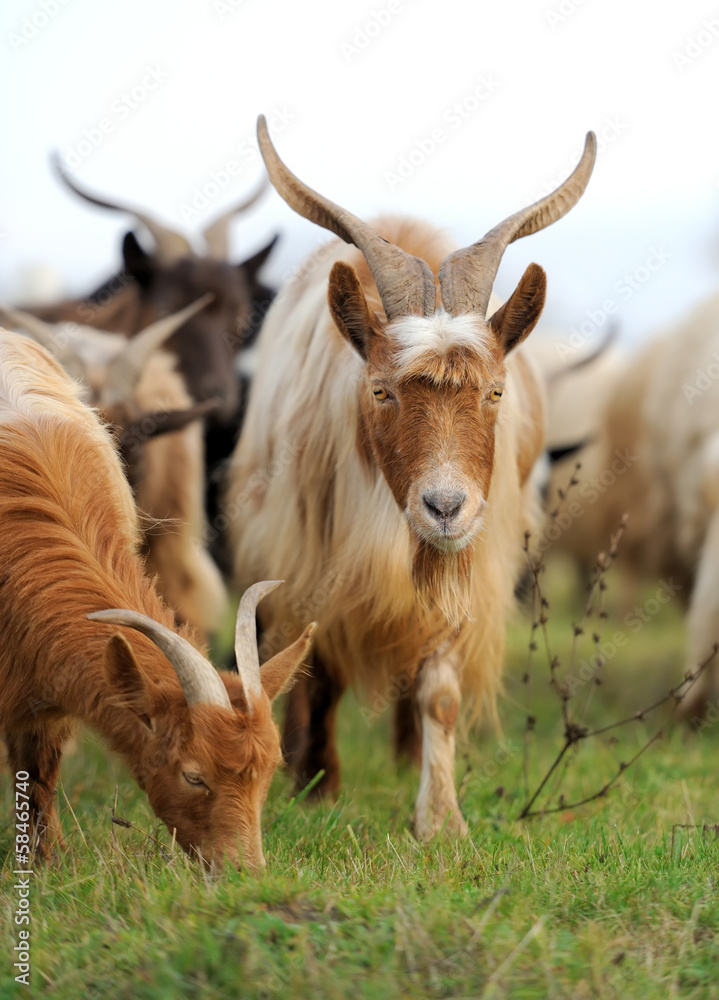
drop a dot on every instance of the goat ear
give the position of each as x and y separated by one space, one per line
125 679
278 674
138 263
518 316
349 308
253 264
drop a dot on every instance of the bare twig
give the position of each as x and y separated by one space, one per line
575 729
578 733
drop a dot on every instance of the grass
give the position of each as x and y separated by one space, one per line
610 900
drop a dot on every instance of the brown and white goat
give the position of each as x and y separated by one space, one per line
139 392
385 461
659 430
202 745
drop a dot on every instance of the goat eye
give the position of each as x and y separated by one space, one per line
194 779
380 393
495 394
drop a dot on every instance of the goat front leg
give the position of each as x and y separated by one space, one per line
438 698
296 724
407 733
317 751
39 751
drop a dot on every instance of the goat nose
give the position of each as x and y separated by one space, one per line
444 505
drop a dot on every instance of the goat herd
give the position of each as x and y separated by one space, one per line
385 469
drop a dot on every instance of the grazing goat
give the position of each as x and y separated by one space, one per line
140 394
386 460
201 744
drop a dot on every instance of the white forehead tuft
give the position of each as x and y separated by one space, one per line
417 336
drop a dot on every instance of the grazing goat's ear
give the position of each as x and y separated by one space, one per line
349 308
125 679
516 319
278 674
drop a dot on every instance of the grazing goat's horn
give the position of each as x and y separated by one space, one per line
199 679
216 233
53 337
405 283
466 276
170 246
246 653
126 369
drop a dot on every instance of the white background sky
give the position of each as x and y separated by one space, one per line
354 97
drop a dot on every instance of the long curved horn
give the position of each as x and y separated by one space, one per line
466 276
49 336
125 370
155 423
405 283
246 653
199 679
602 346
171 246
216 233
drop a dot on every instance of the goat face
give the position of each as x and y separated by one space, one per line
204 746
207 777
207 344
431 395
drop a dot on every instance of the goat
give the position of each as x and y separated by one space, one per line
138 391
578 391
202 745
661 416
385 460
151 285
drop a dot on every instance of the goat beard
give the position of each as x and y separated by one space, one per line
443 581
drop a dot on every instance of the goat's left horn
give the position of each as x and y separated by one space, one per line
246 652
216 233
126 369
49 336
405 283
466 276
200 681
171 246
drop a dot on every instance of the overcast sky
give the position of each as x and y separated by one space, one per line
461 112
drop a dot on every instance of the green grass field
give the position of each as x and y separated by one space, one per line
618 898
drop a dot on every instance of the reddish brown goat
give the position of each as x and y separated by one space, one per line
202 745
134 385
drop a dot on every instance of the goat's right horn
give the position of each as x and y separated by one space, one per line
216 233
405 283
126 369
170 246
246 652
466 276
200 681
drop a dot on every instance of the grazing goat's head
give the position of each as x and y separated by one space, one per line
434 373
209 744
173 276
